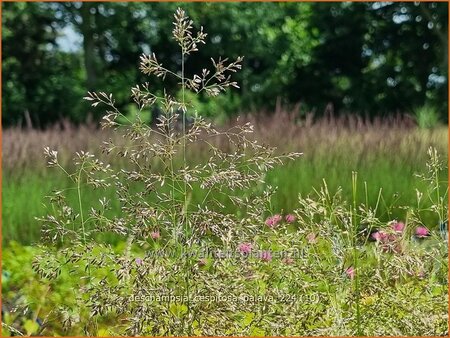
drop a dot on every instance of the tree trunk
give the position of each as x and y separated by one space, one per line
87 29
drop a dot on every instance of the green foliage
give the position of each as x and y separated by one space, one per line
33 85
36 306
367 58
217 109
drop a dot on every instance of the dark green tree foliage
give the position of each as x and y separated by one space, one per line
41 84
365 58
114 36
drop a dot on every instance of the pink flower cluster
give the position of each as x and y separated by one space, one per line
422 232
155 235
390 240
245 248
383 237
274 220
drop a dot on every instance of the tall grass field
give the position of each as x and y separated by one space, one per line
386 154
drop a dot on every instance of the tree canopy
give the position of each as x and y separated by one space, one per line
365 58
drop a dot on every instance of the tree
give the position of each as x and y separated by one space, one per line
365 58
40 82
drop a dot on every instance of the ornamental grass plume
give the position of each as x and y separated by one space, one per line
155 189
154 186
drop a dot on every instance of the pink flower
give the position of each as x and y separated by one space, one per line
273 221
266 256
138 261
376 235
277 218
398 226
388 242
245 248
383 237
290 218
155 235
312 239
422 232
350 272
380 236
269 222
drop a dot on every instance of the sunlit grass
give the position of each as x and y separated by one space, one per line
381 166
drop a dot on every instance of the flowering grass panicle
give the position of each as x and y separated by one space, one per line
154 191
347 279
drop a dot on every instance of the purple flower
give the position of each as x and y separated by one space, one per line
155 235
138 261
290 218
398 226
245 248
266 256
422 232
350 272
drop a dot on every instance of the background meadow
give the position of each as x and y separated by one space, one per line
387 154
